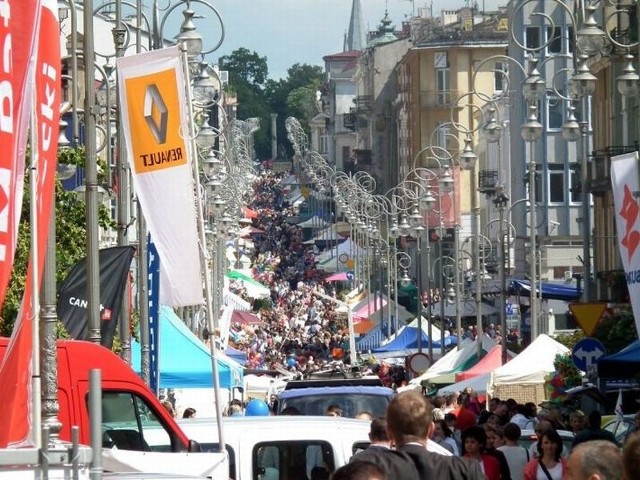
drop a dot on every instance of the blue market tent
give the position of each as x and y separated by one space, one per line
623 364
236 355
552 291
407 339
184 360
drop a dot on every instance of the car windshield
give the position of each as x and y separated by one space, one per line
350 404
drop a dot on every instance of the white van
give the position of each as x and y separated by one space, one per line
284 447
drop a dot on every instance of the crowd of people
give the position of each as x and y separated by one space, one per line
487 444
301 330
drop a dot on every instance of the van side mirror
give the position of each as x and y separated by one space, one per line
194 447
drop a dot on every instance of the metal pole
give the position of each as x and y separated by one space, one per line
478 262
122 174
205 257
395 286
91 179
442 296
458 271
35 381
503 286
429 328
419 291
143 298
586 204
533 311
48 317
95 421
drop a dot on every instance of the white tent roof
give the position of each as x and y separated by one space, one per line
314 222
478 384
455 358
532 364
326 234
435 331
348 247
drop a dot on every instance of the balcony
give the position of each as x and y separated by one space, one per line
438 98
600 167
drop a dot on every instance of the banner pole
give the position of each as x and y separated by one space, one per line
204 255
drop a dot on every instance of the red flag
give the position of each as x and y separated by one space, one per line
17 38
15 372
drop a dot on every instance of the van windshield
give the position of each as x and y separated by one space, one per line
351 404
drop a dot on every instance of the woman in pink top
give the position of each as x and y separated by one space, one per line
548 465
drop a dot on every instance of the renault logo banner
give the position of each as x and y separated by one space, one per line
155 118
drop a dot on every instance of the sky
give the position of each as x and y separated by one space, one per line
298 31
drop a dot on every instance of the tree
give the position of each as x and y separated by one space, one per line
247 66
259 96
70 239
295 96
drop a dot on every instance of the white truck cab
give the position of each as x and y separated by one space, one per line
284 447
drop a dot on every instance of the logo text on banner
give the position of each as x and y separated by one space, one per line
155 133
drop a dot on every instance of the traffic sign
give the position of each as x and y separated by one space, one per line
418 363
588 315
587 352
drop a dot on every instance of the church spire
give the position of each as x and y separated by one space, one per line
355 40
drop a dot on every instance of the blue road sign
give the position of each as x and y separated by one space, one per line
587 352
350 275
509 309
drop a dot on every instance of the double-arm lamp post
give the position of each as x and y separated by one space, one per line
421 192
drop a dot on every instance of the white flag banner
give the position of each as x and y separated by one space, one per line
152 90
626 186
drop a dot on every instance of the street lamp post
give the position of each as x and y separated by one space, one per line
91 178
468 161
418 188
500 201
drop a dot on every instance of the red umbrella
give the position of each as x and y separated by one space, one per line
337 277
248 213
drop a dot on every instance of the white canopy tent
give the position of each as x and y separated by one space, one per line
455 358
314 222
523 377
478 384
328 234
348 248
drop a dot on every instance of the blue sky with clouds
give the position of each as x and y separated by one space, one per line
300 31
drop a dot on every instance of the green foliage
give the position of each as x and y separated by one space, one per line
569 340
245 66
259 96
302 101
616 331
70 239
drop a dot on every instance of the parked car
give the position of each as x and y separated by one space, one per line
529 438
312 397
284 446
621 428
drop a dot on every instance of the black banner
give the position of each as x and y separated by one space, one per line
73 303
